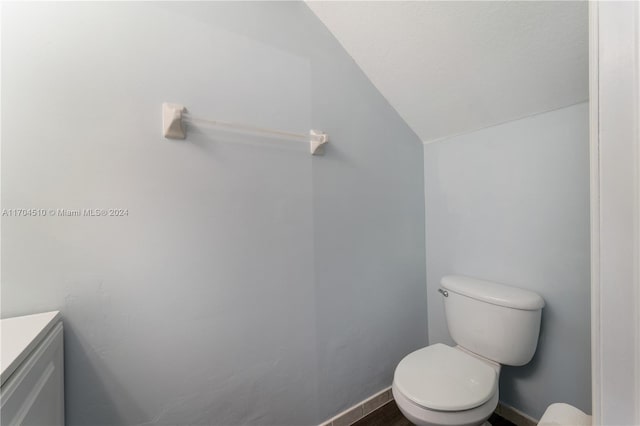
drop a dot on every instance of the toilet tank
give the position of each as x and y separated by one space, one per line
495 321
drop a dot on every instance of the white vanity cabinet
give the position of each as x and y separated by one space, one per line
31 357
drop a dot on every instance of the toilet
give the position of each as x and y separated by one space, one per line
492 324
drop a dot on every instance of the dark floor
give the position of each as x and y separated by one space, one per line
390 415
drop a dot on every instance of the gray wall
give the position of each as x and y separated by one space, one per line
510 203
250 283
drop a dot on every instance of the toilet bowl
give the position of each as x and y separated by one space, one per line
423 416
492 324
463 388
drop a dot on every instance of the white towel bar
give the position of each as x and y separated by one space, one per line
174 116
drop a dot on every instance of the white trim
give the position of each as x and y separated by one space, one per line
637 211
615 211
515 416
1 12
365 407
386 395
596 356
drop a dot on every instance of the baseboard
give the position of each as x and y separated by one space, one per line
361 409
514 415
369 405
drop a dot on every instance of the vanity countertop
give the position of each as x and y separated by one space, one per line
19 336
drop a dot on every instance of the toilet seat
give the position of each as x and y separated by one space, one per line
425 417
443 378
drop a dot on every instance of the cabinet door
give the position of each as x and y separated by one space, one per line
34 394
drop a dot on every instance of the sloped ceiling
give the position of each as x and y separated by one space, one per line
454 67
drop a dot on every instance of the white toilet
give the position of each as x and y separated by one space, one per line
493 324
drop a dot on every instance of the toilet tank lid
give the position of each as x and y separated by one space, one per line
494 293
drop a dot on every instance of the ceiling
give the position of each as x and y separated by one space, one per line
453 67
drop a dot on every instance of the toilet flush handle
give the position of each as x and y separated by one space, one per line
445 293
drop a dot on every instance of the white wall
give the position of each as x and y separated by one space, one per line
250 283
510 203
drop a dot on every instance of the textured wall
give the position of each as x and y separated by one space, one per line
511 204
250 283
